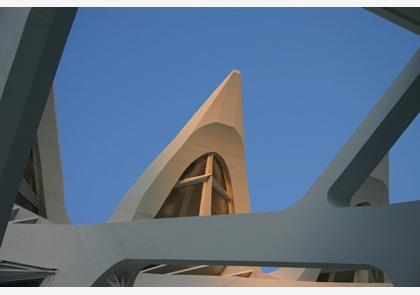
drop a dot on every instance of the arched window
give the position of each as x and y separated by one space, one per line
205 181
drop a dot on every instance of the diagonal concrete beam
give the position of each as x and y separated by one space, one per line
35 39
371 141
406 17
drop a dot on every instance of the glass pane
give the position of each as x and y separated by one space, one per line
376 276
323 277
172 204
219 205
23 202
184 201
344 276
198 167
218 172
193 200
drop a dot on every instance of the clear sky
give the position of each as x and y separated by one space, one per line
129 79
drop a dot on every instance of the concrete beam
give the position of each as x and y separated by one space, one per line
33 41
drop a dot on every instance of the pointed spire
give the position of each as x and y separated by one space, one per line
217 126
224 106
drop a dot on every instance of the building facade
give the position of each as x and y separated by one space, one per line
187 221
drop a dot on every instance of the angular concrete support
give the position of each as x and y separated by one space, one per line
35 39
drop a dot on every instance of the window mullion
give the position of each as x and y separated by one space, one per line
185 203
205 205
192 180
220 190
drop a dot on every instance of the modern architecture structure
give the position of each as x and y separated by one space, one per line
186 221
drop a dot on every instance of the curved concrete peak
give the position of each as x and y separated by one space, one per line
216 127
226 105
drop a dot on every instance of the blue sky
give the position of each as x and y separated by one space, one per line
129 79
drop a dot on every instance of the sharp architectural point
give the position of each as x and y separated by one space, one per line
186 221
216 128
